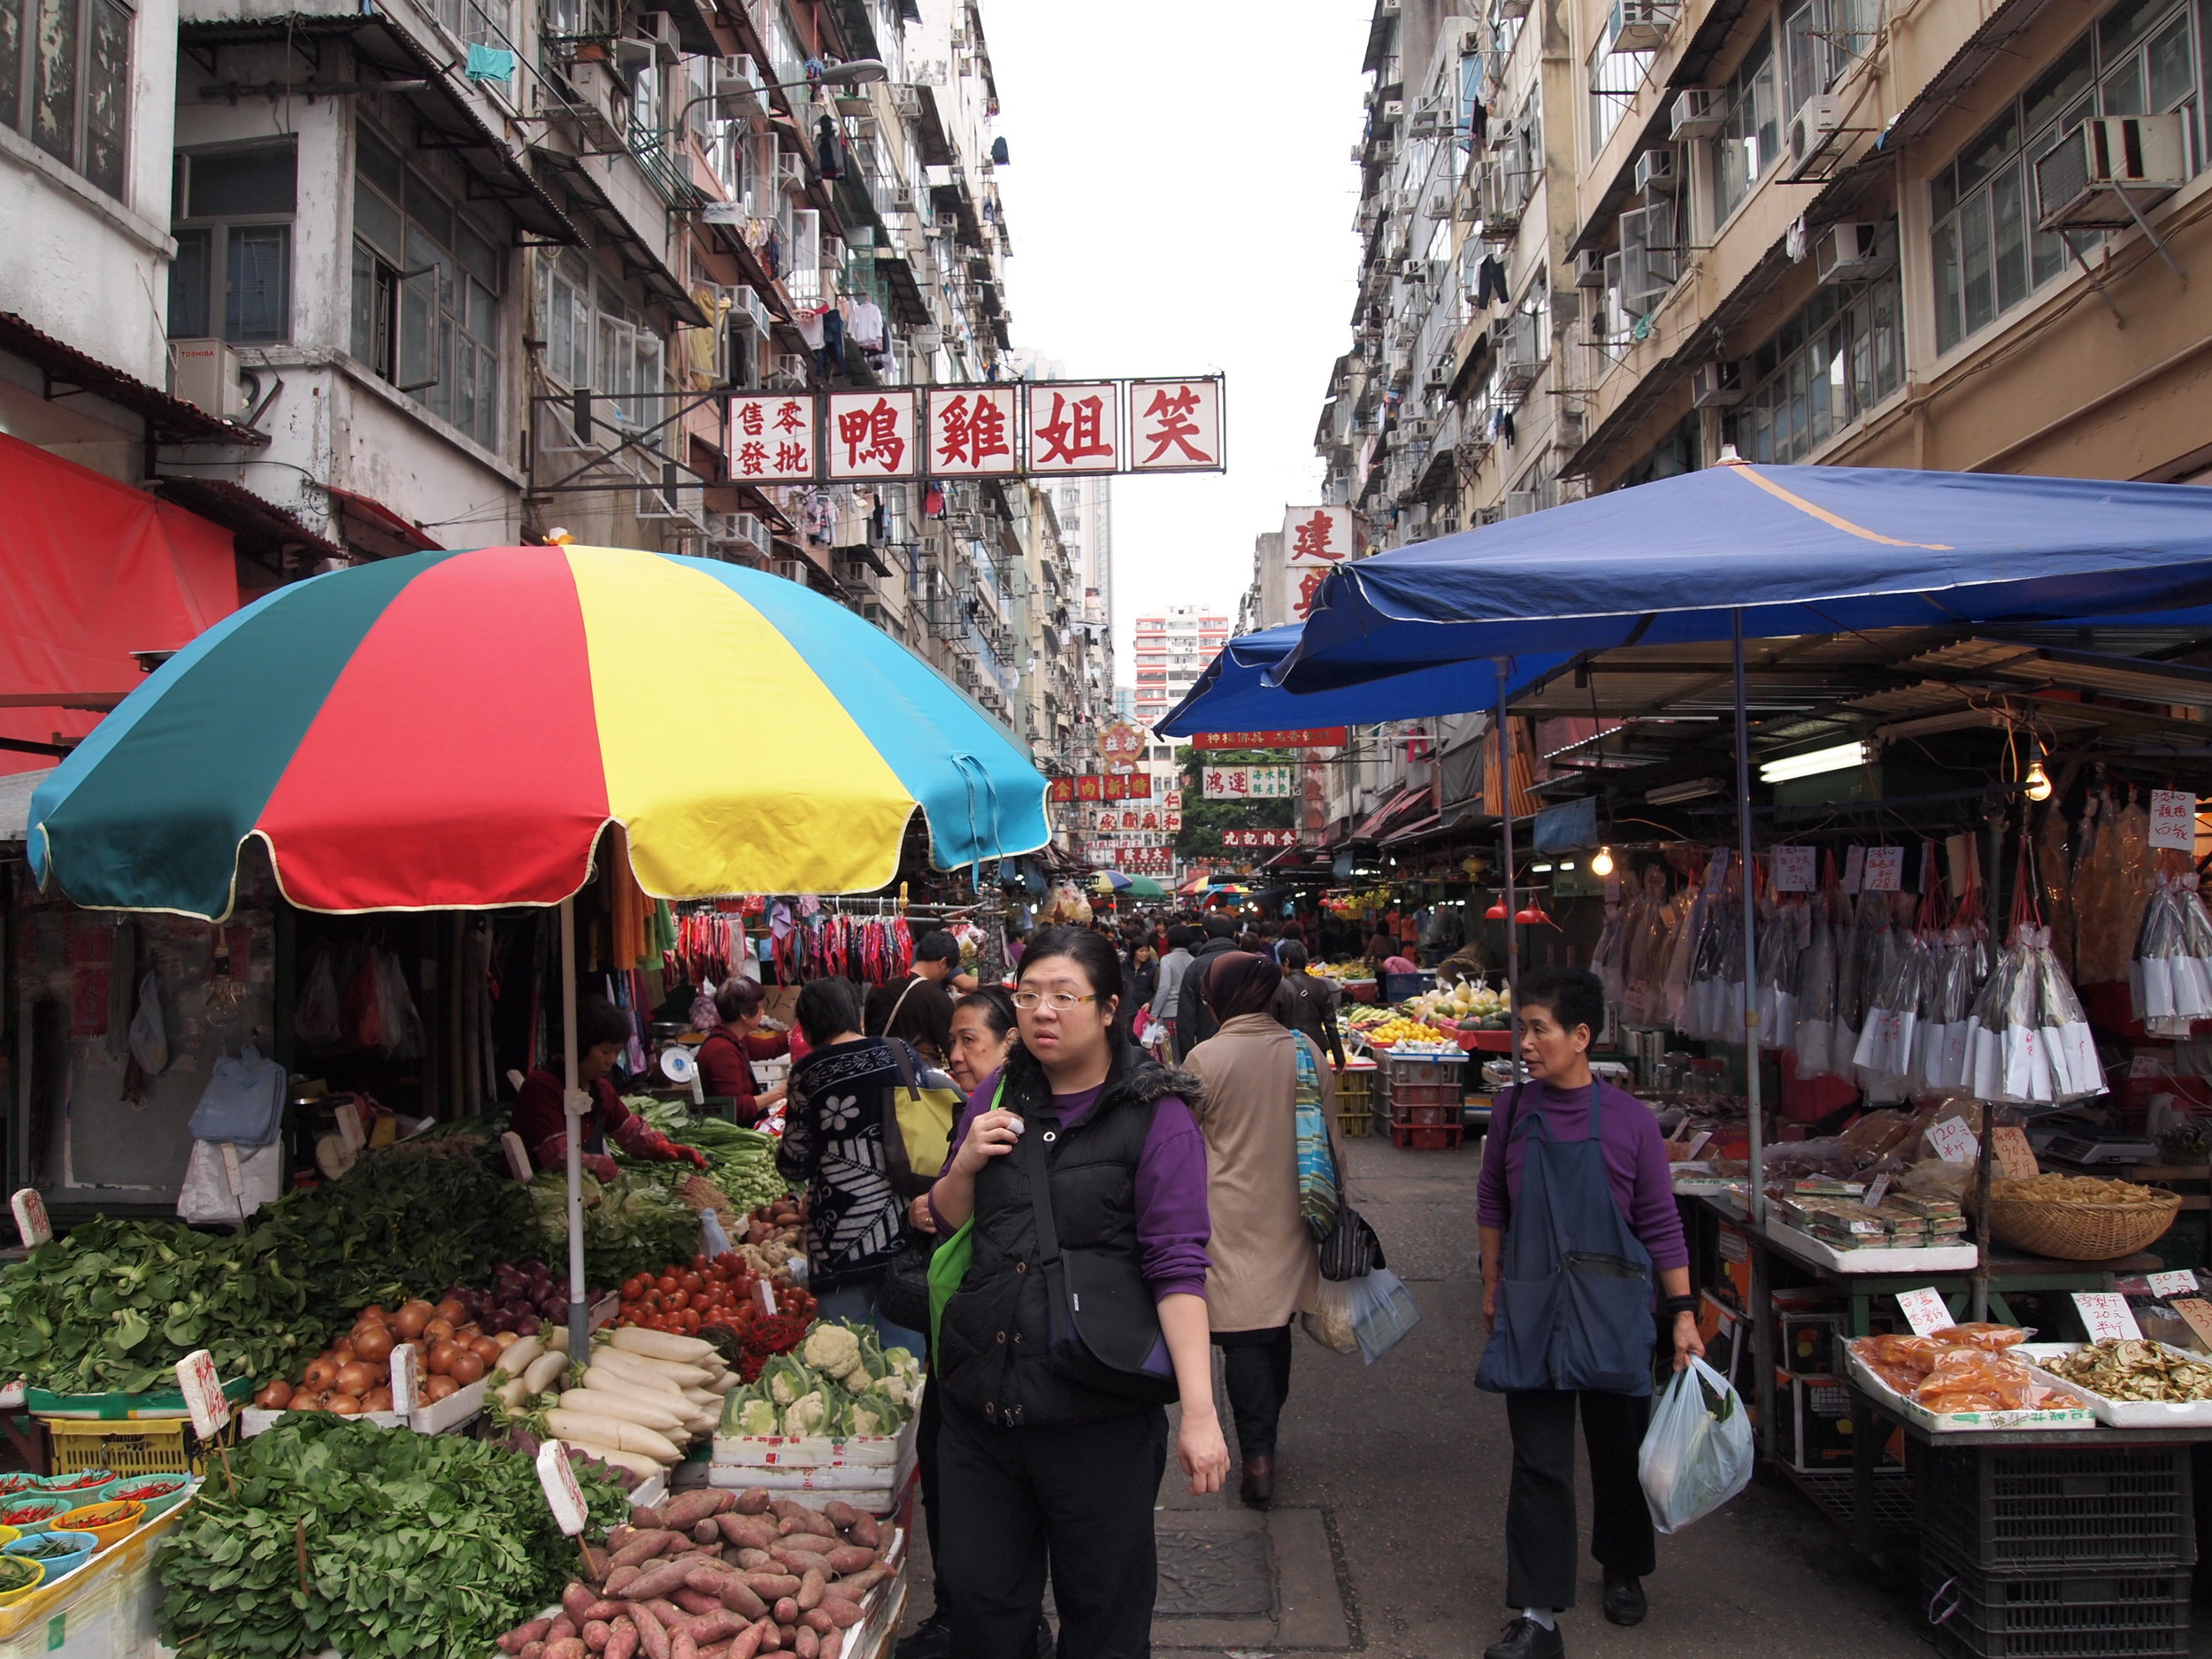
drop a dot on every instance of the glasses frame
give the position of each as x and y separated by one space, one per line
1036 1000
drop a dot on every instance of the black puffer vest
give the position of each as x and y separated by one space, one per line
1003 1350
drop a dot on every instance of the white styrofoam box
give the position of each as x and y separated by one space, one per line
439 1417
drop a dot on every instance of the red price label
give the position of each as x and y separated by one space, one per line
202 1390
30 1218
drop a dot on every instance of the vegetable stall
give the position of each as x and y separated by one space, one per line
457 1327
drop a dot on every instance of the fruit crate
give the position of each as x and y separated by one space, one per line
2005 1509
2057 1613
1427 1138
163 1445
1355 1100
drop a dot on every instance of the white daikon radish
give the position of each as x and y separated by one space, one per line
686 1350
600 1378
519 1355
657 1371
629 1437
545 1370
623 1409
636 1463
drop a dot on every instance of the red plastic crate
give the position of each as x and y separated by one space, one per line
1426 1137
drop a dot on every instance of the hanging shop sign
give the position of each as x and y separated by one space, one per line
1259 837
1119 744
1011 430
1315 541
1111 786
1308 737
1248 783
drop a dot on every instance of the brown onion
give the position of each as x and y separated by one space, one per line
440 1388
377 1400
411 1319
442 1355
356 1379
306 1402
486 1349
320 1373
343 1405
467 1367
275 1397
452 1310
373 1343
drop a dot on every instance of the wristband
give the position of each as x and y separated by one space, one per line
1673 1306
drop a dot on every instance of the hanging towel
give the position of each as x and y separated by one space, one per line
490 63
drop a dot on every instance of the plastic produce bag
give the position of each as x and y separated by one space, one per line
1697 1453
1368 1316
149 1034
204 1198
318 1023
1330 1323
2170 976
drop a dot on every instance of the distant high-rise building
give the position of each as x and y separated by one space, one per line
1086 509
1171 650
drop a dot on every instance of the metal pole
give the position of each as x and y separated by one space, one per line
1505 825
575 1102
1762 1320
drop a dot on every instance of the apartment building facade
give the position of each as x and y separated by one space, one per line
364 281
1171 650
1605 241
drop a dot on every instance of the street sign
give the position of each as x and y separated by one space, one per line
1304 737
1247 783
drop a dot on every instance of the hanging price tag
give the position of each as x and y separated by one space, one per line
1924 1311
30 1218
1876 1192
202 1390
2105 1313
1954 1141
1885 869
2015 1158
349 1127
517 1159
1717 868
1697 1141
2197 1314
2180 1283
767 1298
2174 819
232 1172
1853 868
1793 871
563 1496
406 1378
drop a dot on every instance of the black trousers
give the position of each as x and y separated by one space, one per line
933 1502
1080 1496
1255 1368
1539 1513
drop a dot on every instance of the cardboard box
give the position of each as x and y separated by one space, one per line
1810 1343
1735 1265
1727 1338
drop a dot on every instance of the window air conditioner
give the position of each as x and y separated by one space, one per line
658 30
1855 251
1716 385
1393 108
1816 134
1658 172
206 373
1696 113
1642 26
1521 503
2090 180
1590 269
791 569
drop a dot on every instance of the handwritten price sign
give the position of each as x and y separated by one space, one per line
1954 1141
2174 819
1793 869
30 1218
2180 1283
1885 869
1924 1311
2105 1313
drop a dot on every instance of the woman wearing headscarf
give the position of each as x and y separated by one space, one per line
1265 1263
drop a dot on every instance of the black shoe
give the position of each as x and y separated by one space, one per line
1257 1488
1625 1603
932 1640
1525 1639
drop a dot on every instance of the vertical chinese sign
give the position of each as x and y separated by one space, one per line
1316 540
971 432
771 437
870 435
1175 425
1074 426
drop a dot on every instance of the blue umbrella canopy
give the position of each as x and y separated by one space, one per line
1797 550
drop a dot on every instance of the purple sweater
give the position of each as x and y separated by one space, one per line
1172 1225
1635 1162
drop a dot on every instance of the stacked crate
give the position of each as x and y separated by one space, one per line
1424 1095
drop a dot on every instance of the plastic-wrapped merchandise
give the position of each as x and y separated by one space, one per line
1650 937
2171 976
1957 964
2028 1038
2056 881
1884 1058
1713 1011
1815 1041
1681 954
1785 931
1609 957
1858 951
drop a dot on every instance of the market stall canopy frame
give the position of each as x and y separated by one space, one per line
454 730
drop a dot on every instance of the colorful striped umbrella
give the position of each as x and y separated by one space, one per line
1130 887
455 731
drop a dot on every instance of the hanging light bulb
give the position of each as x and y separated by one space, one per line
2038 782
1602 864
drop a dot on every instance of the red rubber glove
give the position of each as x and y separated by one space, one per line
693 1156
600 1167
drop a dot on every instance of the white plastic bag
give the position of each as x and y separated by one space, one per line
1697 1453
1330 1324
150 1035
204 1199
1382 1312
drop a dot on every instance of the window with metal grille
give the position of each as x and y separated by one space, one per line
65 83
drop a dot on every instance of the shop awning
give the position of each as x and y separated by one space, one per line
265 533
1393 814
168 420
91 572
370 527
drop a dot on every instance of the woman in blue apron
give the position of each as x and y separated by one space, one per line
1576 1205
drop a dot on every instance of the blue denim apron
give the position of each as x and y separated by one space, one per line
1574 1304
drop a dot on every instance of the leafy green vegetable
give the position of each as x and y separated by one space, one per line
416 1544
631 1224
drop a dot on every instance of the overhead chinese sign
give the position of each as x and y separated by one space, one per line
1315 541
1259 837
1004 430
1248 783
1131 861
1111 786
1119 745
1308 737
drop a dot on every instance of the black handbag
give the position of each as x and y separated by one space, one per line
1351 1250
903 1298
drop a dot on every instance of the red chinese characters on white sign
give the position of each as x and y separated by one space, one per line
870 434
771 437
1316 536
1074 426
1174 426
970 431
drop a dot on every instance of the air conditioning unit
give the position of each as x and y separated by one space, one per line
791 171
1855 251
2097 172
1520 352
1816 134
1658 172
1716 385
791 569
1590 269
1393 108
1642 26
739 531
206 373
1521 503
657 29
1696 113
1415 270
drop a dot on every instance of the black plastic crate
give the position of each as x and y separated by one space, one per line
2056 1615
2076 1508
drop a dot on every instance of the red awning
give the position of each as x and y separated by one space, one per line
369 523
92 571
1392 813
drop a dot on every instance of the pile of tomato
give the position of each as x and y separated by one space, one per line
722 1290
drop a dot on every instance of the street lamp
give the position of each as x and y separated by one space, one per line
857 72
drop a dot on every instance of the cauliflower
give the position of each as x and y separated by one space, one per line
806 1414
757 1416
893 1388
864 1417
787 1379
831 1350
904 1366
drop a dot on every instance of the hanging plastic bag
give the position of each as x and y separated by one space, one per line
149 1034
1697 1453
1329 1322
204 1198
360 1019
1383 1311
316 1024
400 1024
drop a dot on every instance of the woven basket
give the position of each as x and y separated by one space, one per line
2081 1232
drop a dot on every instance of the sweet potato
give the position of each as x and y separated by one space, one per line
687 1509
596 1561
747 1643
812 1543
717 1626
854 1586
817 1621
620 1578
748 1531
769 1586
739 1597
795 1561
805 1644
534 1630
797 1518
574 1601
843 1614
606 1612
597 1633
652 1635
567 1648
706 1532
755 1561
564 1627
867 1533
787 1611
658 1581
697 1601
643 1547
753 1501
533 1650
681 1646
622 1643
644 1515
811 1589
771 1636
849 1558
840 1513
833 1644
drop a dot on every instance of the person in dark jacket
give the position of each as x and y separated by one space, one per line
918 1009
1308 1004
1054 1435
726 1056
1193 1021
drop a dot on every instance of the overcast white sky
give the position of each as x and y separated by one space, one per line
1180 198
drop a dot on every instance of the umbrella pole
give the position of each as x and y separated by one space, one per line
1762 1324
1505 825
576 1101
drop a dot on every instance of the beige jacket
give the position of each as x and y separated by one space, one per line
1266 1267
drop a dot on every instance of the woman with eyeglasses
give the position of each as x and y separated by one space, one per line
1081 1315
